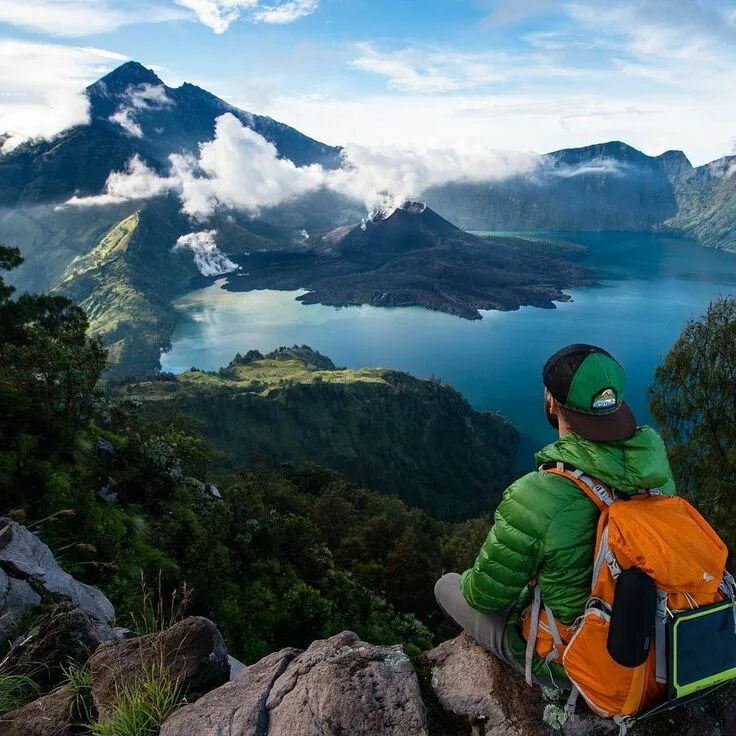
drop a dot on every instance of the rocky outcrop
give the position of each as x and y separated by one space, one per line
344 686
29 575
341 686
63 636
51 715
337 686
192 654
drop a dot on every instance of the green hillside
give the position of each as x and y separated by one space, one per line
387 430
127 280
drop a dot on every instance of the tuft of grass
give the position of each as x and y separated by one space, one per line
141 708
78 678
16 691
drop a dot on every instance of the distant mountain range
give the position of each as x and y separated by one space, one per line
609 186
118 260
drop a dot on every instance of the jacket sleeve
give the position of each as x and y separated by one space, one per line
512 552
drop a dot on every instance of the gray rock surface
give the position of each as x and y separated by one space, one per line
23 556
191 651
467 691
345 686
16 597
237 708
337 686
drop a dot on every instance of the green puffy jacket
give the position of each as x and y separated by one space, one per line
545 529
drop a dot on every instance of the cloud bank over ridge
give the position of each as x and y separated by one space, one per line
240 169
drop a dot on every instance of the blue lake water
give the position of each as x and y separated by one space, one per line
649 287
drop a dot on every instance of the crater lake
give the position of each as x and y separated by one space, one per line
648 286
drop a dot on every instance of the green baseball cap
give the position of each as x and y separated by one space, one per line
588 382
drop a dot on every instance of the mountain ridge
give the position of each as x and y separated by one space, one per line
603 186
132 112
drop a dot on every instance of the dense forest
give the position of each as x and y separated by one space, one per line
276 555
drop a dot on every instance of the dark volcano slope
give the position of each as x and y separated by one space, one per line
414 257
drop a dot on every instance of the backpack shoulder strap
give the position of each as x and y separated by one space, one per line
598 493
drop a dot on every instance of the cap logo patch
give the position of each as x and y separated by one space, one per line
606 399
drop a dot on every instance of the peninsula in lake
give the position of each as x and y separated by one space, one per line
413 257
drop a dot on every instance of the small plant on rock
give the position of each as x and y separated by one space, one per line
15 690
141 708
78 678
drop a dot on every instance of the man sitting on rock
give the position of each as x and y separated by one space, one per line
545 527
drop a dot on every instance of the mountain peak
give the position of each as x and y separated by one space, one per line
675 163
129 74
410 207
614 150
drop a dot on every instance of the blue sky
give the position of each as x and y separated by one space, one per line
509 74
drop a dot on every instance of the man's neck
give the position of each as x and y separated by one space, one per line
563 427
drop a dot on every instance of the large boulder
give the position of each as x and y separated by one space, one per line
337 686
29 575
63 636
237 708
468 691
192 653
480 694
51 715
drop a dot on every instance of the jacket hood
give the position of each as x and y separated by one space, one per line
628 466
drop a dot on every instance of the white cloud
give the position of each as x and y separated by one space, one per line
137 182
429 70
286 12
385 177
560 117
240 169
219 14
42 86
78 17
209 259
125 119
137 98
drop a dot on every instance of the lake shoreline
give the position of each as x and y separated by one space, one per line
649 287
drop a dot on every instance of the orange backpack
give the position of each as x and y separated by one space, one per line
665 537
